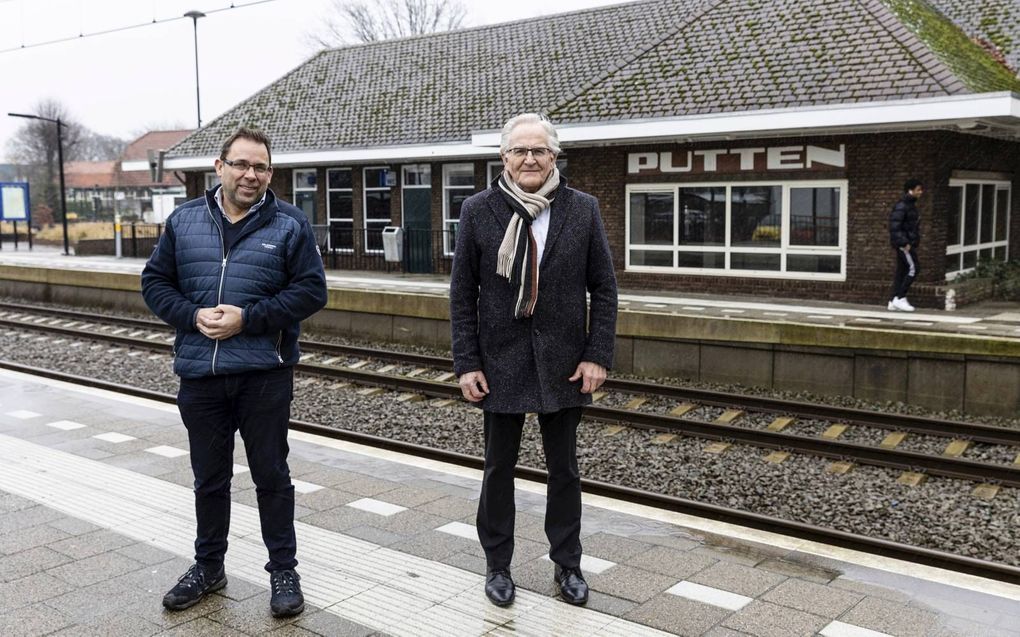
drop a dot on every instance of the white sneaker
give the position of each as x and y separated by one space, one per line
903 304
892 306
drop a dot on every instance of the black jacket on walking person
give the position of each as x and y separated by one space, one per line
904 223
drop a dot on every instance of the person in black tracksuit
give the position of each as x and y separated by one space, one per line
905 236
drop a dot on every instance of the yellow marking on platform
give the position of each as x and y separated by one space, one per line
834 431
357 365
841 467
985 491
416 372
717 447
781 423
893 440
612 430
682 409
956 448
443 402
445 376
371 391
410 397
662 439
597 396
635 402
777 457
386 370
912 478
729 416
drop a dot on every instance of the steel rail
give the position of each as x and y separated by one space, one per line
799 530
950 467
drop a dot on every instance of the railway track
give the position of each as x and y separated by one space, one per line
920 555
430 377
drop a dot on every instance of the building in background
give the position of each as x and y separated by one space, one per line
740 147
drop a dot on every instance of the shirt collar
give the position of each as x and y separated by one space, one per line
218 198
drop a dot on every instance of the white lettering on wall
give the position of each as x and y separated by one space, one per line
777 158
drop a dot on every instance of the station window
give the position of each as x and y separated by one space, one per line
458 185
978 225
340 209
211 180
791 229
305 189
378 182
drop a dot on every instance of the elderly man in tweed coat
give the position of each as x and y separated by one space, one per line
528 250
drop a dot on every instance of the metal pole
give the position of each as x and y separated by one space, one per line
195 15
63 195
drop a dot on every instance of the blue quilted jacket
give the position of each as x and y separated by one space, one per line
273 272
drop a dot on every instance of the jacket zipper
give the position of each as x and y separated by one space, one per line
279 343
223 271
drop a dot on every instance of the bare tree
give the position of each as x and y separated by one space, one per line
361 21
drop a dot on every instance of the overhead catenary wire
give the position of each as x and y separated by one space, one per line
23 46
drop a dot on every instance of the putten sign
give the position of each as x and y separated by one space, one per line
730 160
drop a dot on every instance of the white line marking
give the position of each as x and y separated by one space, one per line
376 506
710 595
167 452
65 425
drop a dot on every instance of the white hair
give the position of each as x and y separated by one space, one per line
529 118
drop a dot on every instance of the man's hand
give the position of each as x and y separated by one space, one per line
220 322
473 385
592 373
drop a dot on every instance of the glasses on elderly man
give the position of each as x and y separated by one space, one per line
538 152
242 167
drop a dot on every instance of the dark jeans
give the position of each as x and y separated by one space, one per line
258 405
496 508
907 267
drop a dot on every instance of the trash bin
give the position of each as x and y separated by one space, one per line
393 244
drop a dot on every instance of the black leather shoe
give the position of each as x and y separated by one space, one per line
195 584
499 588
287 599
573 588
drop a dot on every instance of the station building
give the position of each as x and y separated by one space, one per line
736 147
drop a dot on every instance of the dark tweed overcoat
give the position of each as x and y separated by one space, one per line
528 362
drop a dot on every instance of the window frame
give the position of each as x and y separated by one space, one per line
450 225
964 247
365 189
329 209
784 250
315 190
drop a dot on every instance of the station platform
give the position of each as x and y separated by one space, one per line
96 523
989 319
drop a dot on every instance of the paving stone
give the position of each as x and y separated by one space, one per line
182 477
630 583
798 570
83 605
813 598
340 519
250 616
729 555
10 502
678 615
890 617
434 546
31 537
328 476
722 631
73 526
116 624
95 569
535 575
375 535
30 621
145 553
367 487
411 497
530 527
411 522
871 590
677 540
202 627
330 625
451 507
25 518
467 562
770 620
959 627
151 609
737 578
29 590
614 548
675 563
291 630
89 544
239 589
26 563
156 578
609 604
325 499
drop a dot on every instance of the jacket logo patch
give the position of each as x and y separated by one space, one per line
268 246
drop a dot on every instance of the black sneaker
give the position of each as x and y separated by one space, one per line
193 586
287 599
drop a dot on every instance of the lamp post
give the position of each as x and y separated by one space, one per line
195 15
60 160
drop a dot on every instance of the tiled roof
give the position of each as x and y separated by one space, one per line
655 58
155 140
89 174
995 21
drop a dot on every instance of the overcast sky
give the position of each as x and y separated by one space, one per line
127 82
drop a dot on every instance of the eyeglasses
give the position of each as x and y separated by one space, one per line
539 152
242 167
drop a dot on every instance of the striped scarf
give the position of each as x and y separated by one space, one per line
517 260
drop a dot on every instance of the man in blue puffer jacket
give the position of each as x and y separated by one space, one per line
236 272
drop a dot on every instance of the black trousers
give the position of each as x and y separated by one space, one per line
258 405
496 509
907 267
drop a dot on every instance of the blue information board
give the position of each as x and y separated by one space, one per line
14 202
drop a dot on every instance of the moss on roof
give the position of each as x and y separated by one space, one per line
967 60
